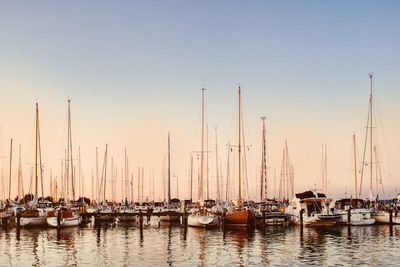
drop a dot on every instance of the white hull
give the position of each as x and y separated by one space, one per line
358 217
306 220
33 221
275 221
64 222
170 215
384 217
196 220
91 210
314 219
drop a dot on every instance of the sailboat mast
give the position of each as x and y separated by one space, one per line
376 171
138 192
370 130
112 179
9 184
263 186
20 181
282 180
207 169
169 170
227 173
125 175
289 189
191 176
202 146
105 172
70 150
36 150
142 185
97 173
239 152
322 169
64 173
163 177
355 163
81 193
274 183
153 186
216 166
132 190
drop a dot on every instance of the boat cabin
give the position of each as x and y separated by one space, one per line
354 203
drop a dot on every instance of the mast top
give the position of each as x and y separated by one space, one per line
370 77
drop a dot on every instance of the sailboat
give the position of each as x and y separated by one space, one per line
359 212
171 211
272 209
105 210
68 215
380 214
33 215
203 215
126 209
239 216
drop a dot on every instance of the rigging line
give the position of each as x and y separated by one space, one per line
227 174
245 161
234 181
40 160
379 121
233 118
364 152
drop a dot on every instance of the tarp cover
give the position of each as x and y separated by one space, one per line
306 194
310 194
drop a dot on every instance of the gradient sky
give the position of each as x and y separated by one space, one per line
134 70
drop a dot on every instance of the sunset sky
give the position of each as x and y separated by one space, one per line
134 70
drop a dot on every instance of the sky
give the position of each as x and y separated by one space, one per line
134 69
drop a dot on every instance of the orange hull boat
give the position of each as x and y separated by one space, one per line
240 218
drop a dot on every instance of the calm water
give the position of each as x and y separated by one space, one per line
167 245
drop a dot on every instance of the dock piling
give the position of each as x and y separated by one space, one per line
59 224
141 224
264 221
18 225
18 221
391 221
349 216
4 223
301 217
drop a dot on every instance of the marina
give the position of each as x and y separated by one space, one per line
290 212
212 133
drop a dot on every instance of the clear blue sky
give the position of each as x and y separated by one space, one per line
134 69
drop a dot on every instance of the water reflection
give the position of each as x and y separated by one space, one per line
313 245
170 244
